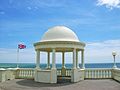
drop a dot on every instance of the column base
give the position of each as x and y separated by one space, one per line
53 75
38 68
48 67
77 75
46 76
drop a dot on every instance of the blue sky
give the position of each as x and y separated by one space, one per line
96 22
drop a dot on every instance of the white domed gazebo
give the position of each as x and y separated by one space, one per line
59 39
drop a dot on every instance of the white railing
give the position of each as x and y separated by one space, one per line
98 73
25 73
68 72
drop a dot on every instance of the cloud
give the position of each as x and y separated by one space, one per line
102 51
29 8
2 12
109 3
10 55
95 52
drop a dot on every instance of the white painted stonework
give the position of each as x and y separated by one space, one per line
59 39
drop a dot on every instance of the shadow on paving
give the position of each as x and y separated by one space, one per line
32 83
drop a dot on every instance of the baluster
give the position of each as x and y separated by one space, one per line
85 73
91 73
31 73
25 72
103 73
70 72
97 73
106 74
110 74
88 74
20 73
94 73
28 75
100 71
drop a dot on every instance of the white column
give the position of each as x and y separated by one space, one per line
37 59
53 59
77 61
63 59
48 59
74 59
82 59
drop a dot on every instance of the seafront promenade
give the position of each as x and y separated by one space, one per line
95 79
23 84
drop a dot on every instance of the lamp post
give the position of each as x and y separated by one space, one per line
114 54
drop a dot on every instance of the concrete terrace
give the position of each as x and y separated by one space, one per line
23 84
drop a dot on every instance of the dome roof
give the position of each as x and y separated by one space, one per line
59 33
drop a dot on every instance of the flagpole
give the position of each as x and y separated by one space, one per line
17 58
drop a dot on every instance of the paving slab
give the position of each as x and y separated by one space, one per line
23 84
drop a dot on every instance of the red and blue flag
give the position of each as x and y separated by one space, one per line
21 46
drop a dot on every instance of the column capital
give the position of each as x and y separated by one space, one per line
82 50
37 50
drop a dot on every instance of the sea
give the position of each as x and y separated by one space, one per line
68 66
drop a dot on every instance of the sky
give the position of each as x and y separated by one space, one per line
96 22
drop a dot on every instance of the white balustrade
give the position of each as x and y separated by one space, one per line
97 73
68 72
25 73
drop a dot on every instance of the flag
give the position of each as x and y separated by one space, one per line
21 46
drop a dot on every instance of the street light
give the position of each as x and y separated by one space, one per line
114 54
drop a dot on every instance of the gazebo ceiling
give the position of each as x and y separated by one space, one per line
59 33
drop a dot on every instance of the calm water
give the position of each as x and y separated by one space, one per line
32 65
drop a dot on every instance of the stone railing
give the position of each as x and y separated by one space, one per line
25 73
68 72
92 73
116 74
98 73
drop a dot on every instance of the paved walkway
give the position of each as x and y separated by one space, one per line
21 84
